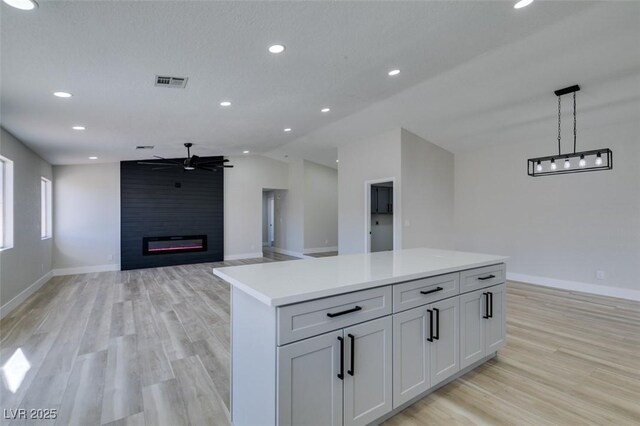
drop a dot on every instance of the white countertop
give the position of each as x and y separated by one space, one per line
283 283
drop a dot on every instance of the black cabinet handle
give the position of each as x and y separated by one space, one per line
432 291
487 277
486 306
430 338
490 294
352 371
341 373
437 335
348 311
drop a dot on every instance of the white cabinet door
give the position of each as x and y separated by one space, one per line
309 390
495 326
411 354
445 351
472 328
368 364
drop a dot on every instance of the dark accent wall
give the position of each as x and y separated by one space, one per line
170 202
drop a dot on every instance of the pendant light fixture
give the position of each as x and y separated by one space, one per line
575 162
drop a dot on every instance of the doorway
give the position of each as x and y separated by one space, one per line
379 212
268 218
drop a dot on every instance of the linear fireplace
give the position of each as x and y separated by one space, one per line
173 244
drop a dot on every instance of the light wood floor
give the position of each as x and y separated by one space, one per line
152 347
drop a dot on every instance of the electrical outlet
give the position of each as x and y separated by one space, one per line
601 275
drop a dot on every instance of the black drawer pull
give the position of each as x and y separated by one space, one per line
432 291
490 294
486 306
348 311
487 277
430 338
341 373
352 370
437 335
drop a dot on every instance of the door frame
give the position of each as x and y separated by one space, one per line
367 212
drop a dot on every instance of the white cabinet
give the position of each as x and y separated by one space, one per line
309 390
368 363
425 348
482 323
445 348
342 377
411 355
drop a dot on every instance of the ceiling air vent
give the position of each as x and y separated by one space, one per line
176 82
144 147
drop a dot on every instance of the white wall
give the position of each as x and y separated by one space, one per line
427 193
86 218
557 230
26 266
373 158
243 187
320 208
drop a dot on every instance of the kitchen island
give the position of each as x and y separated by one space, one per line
353 339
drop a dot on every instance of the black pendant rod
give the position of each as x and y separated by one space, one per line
574 123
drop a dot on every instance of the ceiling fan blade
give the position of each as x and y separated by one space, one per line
158 164
214 162
164 167
205 168
226 166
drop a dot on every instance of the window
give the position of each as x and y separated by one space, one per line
46 210
6 203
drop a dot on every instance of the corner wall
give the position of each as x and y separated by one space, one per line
320 208
27 266
86 218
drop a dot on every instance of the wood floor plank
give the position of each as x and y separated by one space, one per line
123 389
202 401
82 401
164 405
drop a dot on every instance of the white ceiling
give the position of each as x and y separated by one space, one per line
470 71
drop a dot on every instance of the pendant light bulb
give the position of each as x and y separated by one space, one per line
599 160
539 166
553 164
582 162
567 164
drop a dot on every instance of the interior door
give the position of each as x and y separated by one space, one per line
368 364
383 199
472 328
270 219
495 331
309 389
411 355
445 351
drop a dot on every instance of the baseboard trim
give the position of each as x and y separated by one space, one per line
86 269
291 253
24 294
321 249
600 290
242 256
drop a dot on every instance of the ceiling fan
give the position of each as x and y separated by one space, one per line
192 162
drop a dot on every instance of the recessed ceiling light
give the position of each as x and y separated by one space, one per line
62 94
337 161
93 158
78 127
394 72
22 4
225 103
246 151
325 110
276 48
287 129
522 3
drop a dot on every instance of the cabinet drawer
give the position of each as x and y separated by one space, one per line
475 279
427 290
302 320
